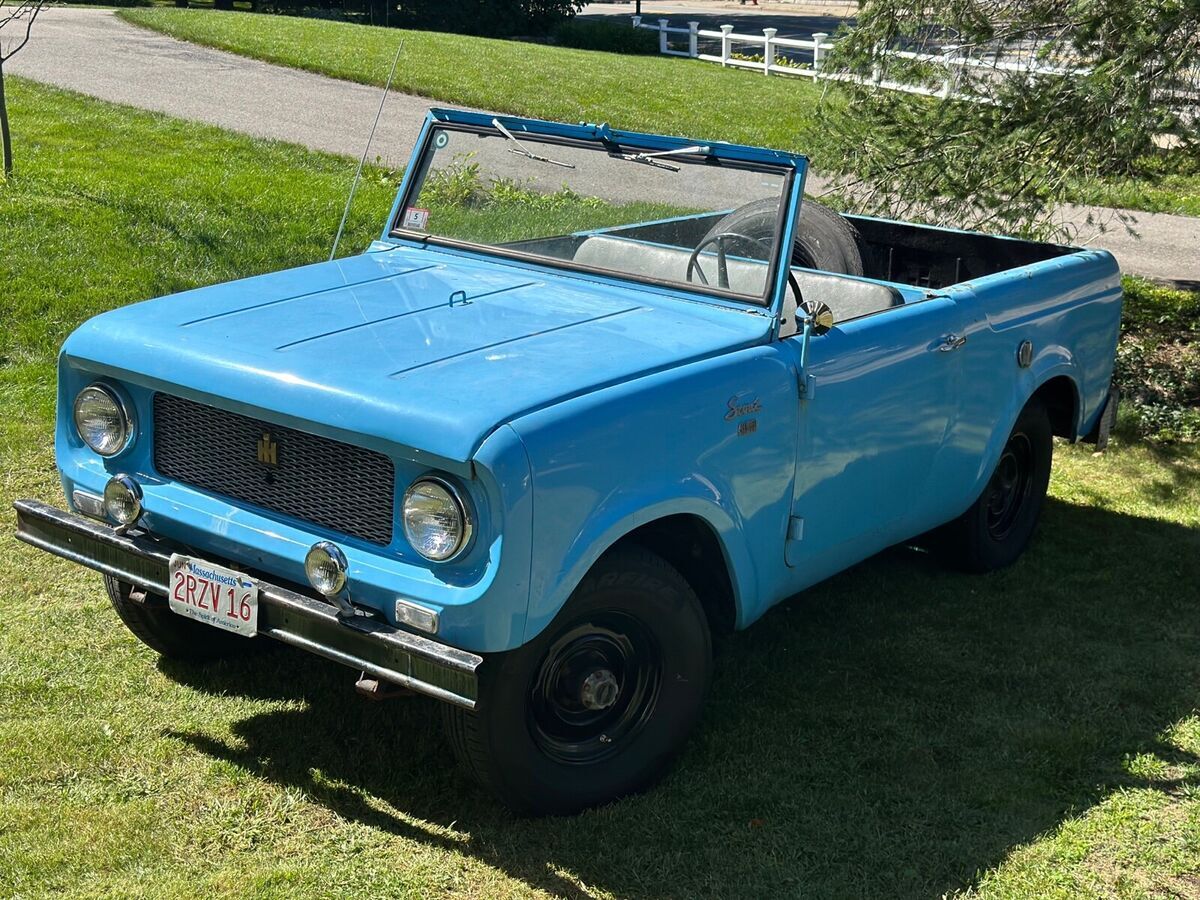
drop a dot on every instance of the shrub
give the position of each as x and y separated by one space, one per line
614 37
458 184
493 18
1158 362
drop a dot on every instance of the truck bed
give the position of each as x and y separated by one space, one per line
928 257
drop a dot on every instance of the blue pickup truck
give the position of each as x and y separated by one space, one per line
592 398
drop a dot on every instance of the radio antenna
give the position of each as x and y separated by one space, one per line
363 159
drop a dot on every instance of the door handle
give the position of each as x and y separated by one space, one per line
951 342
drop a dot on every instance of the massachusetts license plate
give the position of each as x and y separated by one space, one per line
214 595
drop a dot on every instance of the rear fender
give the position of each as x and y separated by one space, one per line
1053 361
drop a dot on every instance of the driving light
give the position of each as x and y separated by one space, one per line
123 500
325 566
435 519
102 421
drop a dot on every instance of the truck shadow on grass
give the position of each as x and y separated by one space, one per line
893 732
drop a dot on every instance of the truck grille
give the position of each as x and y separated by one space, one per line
337 486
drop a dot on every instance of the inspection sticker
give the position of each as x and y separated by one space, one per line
415 217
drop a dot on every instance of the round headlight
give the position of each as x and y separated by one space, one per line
325 567
123 499
435 519
101 420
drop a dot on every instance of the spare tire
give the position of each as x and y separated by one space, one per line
824 240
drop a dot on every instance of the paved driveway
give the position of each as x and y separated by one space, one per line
94 52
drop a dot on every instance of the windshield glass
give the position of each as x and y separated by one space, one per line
681 217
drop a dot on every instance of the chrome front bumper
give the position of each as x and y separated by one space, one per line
374 647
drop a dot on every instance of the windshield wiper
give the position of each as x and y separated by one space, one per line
652 159
522 150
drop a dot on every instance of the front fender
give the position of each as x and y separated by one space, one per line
607 463
627 515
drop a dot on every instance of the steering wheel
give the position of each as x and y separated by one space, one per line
721 239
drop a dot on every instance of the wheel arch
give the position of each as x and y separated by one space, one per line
693 548
692 536
1055 384
1060 395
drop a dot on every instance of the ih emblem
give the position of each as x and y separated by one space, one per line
268 450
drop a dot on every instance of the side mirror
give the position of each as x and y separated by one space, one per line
818 314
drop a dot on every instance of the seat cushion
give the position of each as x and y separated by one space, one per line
667 263
848 296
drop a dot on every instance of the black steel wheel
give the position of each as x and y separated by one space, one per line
997 528
595 689
597 706
1010 487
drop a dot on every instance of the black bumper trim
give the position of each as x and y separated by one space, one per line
414 662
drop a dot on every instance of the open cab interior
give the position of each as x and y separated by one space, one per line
704 218
901 262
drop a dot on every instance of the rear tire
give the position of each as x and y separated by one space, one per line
995 531
824 240
598 705
168 634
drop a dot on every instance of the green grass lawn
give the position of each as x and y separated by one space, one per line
653 93
1166 191
897 732
640 93
657 94
471 204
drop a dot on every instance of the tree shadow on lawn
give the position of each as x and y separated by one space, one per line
893 732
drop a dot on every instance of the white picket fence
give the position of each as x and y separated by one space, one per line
676 41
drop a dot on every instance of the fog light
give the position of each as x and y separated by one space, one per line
325 565
123 500
417 616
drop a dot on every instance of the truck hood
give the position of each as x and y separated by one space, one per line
427 349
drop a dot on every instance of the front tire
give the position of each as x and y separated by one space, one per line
598 705
168 634
995 531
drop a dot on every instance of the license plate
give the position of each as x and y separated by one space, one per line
214 595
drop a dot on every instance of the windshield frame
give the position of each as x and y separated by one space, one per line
601 139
